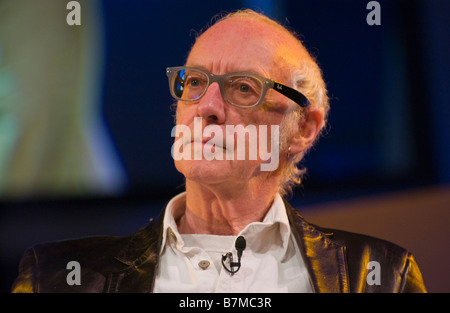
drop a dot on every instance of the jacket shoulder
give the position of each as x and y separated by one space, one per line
45 267
395 266
371 264
86 250
353 242
357 241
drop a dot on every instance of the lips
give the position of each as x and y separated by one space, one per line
213 141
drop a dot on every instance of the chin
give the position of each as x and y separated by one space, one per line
218 171
203 170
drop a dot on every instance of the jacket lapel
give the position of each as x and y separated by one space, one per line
324 258
141 257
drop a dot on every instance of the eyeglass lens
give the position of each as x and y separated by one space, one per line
240 90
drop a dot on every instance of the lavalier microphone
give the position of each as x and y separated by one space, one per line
240 245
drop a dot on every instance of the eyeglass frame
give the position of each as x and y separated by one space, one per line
267 84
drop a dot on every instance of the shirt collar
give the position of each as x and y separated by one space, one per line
174 210
275 225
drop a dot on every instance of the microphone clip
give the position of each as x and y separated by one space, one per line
240 247
236 265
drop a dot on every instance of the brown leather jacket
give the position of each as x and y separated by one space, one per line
336 261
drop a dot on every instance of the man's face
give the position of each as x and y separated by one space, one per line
228 47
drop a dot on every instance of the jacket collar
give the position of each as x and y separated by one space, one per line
141 258
324 258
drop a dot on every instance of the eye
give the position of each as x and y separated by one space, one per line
194 82
244 88
243 85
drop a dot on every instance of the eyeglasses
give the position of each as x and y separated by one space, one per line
244 90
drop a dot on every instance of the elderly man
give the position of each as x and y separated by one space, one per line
232 231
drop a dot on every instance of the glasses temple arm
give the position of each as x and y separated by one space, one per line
291 93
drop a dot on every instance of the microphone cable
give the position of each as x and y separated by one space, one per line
240 245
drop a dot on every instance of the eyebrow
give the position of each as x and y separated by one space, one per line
249 71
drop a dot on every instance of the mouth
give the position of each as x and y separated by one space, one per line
209 141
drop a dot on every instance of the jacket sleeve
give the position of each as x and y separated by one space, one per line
26 282
412 277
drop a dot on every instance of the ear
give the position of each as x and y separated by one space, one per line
307 130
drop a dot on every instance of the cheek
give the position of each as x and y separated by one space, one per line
184 114
266 115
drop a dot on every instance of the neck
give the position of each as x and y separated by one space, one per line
224 211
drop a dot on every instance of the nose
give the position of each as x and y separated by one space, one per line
211 106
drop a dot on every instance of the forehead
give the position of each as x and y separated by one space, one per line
236 45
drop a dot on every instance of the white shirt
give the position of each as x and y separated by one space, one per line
271 261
